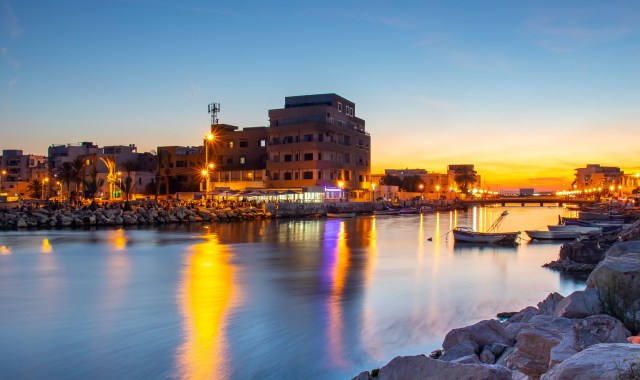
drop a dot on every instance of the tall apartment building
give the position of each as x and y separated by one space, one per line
185 164
595 176
316 140
239 156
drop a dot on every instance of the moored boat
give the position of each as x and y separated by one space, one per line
467 234
576 228
386 212
553 235
341 215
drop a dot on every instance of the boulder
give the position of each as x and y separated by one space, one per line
582 251
523 315
608 361
622 248
421 367
585 333
22 223
363 376
462 349
535 343
482 333
549 304
617 279
579 304
486 356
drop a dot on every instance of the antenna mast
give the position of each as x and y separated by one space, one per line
214 108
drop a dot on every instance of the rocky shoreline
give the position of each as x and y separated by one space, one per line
123 214
589 334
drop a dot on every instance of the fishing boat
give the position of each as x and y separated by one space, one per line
576 228
469 235
386 212
553 235
409 211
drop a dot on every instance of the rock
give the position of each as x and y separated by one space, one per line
486 356
587 332
523 315
421 367
482 333
501 360
634 339
497 349
464 348
608 361
363 376
582 251
579 304
622 248
469 359
535 342
21 223
435 354
617 280
549 304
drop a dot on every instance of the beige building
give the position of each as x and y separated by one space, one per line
594 176
317 141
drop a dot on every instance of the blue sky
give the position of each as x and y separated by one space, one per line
526 90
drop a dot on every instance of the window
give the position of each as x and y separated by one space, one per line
229 160
276 158
347 175
339 107
276 176
308 156
297 158
139 181
243 160
360 178
308 138
307 175
230 144
287 158
319 174
296 175
243 143
319 156
287 176
263 143
347 158
181 164
331 175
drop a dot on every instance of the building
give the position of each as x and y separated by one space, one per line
317 141
594 176
239 156
182 166
18 169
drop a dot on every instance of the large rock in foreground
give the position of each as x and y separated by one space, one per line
609 361
421 367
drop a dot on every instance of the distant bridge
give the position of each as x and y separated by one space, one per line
522 201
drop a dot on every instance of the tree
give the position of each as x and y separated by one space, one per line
128 185
35 188
78 172
111 176
66 174
93 184
411 183
464 177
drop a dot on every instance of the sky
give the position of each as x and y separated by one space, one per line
527 91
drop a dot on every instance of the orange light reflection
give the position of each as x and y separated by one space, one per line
46 247
4 250
207 295
336 325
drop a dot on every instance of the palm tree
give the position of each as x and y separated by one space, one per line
164 162
35 188
93 184
464 177
128 186
78 171
66 173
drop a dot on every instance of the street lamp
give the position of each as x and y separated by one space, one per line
421 187
2 174
373 192
208 166
44 182
60 186
341 185
120 179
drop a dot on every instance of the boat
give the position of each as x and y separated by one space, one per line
576 228
386 212
341 215
469 235
553 235
409 211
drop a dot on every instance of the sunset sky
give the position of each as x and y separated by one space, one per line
525 90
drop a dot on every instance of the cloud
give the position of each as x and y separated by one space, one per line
11 21
6 56
565 30
436 103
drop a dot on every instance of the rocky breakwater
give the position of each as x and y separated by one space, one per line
116 216
585 335
584 255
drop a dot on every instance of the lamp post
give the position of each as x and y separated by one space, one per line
208 166
60 186
120 180
373 192
44 182
205 174
341 185
2 174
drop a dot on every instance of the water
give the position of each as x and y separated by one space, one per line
277 299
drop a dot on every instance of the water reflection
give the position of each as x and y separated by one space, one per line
117 239
46 247
207 294
4 250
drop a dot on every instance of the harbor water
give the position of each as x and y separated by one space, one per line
277 299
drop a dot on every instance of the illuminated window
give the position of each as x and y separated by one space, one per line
243 160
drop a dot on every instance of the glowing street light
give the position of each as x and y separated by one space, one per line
44 182
2 174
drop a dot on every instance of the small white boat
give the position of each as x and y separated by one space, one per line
341 215
469 235
553 235
409 211
575 228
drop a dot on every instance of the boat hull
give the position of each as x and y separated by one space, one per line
553 235
341 215
470 236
